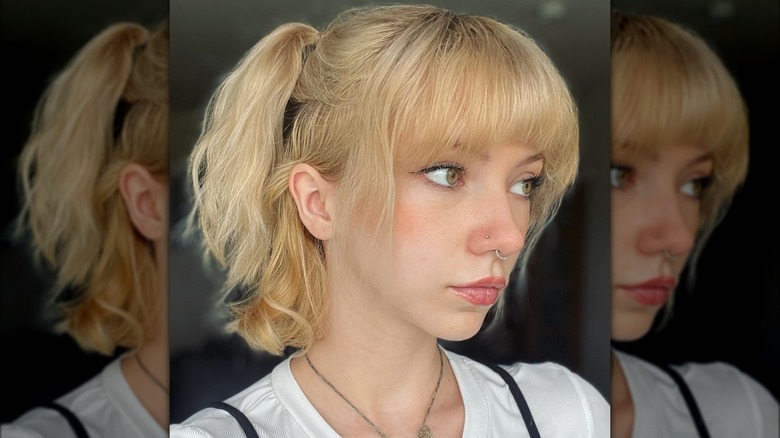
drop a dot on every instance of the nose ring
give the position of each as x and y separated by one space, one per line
668 255
498 254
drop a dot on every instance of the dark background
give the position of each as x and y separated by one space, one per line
560 313
38 39
732 313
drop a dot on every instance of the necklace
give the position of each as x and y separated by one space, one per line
423 432
149 374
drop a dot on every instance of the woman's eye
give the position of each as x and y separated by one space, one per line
526 186
695 188
445 175
619 176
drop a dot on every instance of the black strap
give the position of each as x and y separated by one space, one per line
525 411
73 420
244 422
693 407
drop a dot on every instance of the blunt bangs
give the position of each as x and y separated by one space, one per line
480 87
454 86
663 98
676 90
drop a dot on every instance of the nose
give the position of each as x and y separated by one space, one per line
669 225
501 224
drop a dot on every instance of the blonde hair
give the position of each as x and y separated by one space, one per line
108 107
669 86
377 84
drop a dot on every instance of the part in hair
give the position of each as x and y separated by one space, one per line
379 86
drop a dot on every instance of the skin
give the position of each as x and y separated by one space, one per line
390 302
146 199
655 209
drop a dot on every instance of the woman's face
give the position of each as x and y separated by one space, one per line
656 202
439 271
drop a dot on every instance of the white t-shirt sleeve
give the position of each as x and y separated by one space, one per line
563 403
732 402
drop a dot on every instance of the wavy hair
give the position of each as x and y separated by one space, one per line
108 107
376 85
669 86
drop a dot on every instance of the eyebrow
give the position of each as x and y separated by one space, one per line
707 156
485 156
531 159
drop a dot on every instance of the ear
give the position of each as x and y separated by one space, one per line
314 196
146 199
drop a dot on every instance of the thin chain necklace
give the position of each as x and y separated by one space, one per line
423 432
149 374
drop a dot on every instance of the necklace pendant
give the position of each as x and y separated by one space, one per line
424 432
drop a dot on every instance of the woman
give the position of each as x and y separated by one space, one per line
95 204
679 153
368 189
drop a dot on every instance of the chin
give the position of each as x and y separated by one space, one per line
630 329
460 327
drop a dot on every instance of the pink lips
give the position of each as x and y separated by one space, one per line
653 292
482 292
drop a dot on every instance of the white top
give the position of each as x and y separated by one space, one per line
562 403
105 404
732 403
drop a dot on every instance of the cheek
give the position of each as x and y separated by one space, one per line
421 224
413 223
521 212
691 214
621 223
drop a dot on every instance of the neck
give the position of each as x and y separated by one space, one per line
383 365
392 388
398 369
382 361
154 356
622 417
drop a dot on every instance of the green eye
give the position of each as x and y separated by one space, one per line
526 186
444 175
452 176
619 176
695 188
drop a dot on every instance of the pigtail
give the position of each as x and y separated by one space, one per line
61 166
240 193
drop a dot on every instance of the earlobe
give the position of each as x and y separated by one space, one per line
145 200
313 196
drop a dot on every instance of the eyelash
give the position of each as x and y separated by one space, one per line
703 182
461 172
613 178
535 181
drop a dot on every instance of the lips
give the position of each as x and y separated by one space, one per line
653 292
483 292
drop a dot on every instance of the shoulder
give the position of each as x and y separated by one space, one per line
263 403
729 395
105 405
561 402
719 375
35 423
44 421
731 401
545 380
259 398
704 378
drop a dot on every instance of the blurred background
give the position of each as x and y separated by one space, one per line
558 312
732 313
38 39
